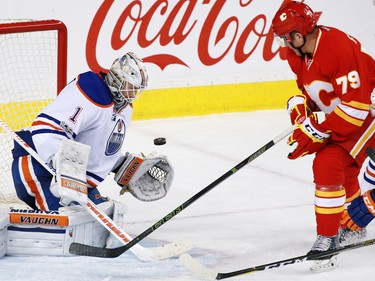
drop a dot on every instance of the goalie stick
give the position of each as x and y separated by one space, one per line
208 274
144 254
82 249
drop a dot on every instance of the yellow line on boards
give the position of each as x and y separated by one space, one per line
179 102
215 99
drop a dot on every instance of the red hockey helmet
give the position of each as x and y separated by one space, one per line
293 16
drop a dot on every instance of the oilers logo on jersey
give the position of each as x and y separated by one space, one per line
116 138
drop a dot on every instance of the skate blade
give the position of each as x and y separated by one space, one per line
324 265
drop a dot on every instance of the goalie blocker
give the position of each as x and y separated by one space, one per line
50 233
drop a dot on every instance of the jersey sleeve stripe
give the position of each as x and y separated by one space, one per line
93 179
95 176
368 179
41 123
91 183
48 131
46 116
46 124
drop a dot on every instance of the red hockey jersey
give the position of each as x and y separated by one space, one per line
338 79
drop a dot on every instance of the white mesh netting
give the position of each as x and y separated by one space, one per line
28 82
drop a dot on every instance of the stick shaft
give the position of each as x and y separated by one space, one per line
204 272
118 251
295 260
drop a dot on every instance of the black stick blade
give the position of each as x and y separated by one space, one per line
92 251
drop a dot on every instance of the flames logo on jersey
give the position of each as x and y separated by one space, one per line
116 138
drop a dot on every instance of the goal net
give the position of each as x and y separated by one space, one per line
33 65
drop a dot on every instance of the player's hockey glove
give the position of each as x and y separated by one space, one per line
310 138
360 212
297 108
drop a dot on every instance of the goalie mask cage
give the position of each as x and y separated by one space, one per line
33 67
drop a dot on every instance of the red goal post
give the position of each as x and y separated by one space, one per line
33 66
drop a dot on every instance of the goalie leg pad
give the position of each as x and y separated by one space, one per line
35 232
4 222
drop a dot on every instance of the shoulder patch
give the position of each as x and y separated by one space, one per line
94 88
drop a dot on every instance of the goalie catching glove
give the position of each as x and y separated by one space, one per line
147 178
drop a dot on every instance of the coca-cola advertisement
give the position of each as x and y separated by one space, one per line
187 43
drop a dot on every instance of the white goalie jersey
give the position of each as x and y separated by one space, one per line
84 112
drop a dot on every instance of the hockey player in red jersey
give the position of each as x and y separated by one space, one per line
336 76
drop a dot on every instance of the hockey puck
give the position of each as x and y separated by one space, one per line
160 141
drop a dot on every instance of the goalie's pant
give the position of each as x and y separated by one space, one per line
336 184
32 181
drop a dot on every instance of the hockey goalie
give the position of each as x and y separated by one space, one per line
80 136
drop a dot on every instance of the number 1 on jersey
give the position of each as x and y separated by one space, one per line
73 118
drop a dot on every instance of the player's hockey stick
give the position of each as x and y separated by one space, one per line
205 273
81 249
144 254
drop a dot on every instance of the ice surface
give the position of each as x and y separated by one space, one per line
261 214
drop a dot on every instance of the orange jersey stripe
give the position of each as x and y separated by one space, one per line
91 183
370 173
30 181
36 123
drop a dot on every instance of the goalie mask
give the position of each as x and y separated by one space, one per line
127 78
